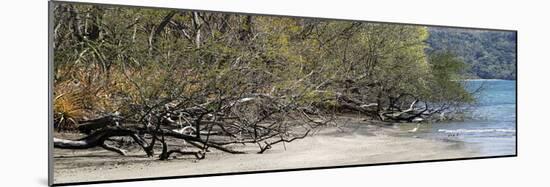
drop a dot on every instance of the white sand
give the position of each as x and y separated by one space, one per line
364 144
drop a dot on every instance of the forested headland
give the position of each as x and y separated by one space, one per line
488 54
215 80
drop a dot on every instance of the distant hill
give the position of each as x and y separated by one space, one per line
489 54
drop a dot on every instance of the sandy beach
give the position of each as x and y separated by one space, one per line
351 144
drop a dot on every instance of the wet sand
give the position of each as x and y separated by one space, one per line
359 143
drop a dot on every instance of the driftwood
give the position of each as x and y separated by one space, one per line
394 111
218 124
98 138
410 114
200 126
268 145
113 148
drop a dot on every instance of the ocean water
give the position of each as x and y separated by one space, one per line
489 126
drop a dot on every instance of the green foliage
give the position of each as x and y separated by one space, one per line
446 83
123 57
490 54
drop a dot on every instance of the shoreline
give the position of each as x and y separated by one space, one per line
354 143
479 79
488 79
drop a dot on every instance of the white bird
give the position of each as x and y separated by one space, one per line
415 129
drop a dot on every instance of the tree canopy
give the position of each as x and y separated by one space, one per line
489 54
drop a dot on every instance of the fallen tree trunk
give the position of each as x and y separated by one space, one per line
98 138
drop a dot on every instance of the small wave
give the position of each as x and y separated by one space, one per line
475 130
486 80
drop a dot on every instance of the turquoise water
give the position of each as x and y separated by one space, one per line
490 125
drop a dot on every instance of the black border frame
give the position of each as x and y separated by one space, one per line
50 98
